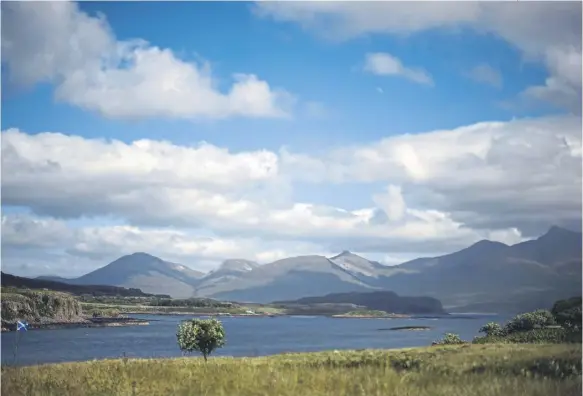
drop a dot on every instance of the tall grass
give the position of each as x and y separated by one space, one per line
480 370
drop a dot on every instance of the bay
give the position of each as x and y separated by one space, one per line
246 336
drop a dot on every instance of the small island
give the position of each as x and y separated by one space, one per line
375 304
370 314
407 328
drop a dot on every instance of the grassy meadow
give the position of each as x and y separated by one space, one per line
469 369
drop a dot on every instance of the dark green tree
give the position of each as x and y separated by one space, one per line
202 335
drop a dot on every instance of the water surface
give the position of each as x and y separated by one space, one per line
245 337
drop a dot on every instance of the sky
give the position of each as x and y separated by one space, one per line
199 132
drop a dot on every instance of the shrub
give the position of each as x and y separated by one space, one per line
536 336
492 329
450 339
529 321
567 313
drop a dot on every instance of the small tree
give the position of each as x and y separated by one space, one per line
202 335
492 329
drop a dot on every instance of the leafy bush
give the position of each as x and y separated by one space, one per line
492 329
570 319
567 313
564 305
450 339
529 321
202 335
535 336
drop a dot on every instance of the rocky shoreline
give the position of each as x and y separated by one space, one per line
89 322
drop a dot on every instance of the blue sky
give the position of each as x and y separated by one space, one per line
480 72
316 70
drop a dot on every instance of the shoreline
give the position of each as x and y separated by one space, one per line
203 314
91 322
88 323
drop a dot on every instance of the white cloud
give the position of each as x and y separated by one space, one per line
392 203
563 87
549 32
384 64
446 189
56 42
97 245
522 173
146 163
485 74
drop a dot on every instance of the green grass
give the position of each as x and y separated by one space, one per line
477 370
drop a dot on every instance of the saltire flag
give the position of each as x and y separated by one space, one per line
21 326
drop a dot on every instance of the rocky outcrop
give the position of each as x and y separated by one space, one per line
39 307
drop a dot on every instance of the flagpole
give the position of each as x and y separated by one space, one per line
20 326
16 345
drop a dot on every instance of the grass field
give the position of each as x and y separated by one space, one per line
473 370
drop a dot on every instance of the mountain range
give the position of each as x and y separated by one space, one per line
486 276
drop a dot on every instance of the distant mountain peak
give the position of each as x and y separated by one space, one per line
344 253
354 264
143 255
556 230
484 246
487 242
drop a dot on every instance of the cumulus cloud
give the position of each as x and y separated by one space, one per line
383 64
522 173
548 32
445 189
485 74
56 42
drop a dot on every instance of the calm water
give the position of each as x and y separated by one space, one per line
245 337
